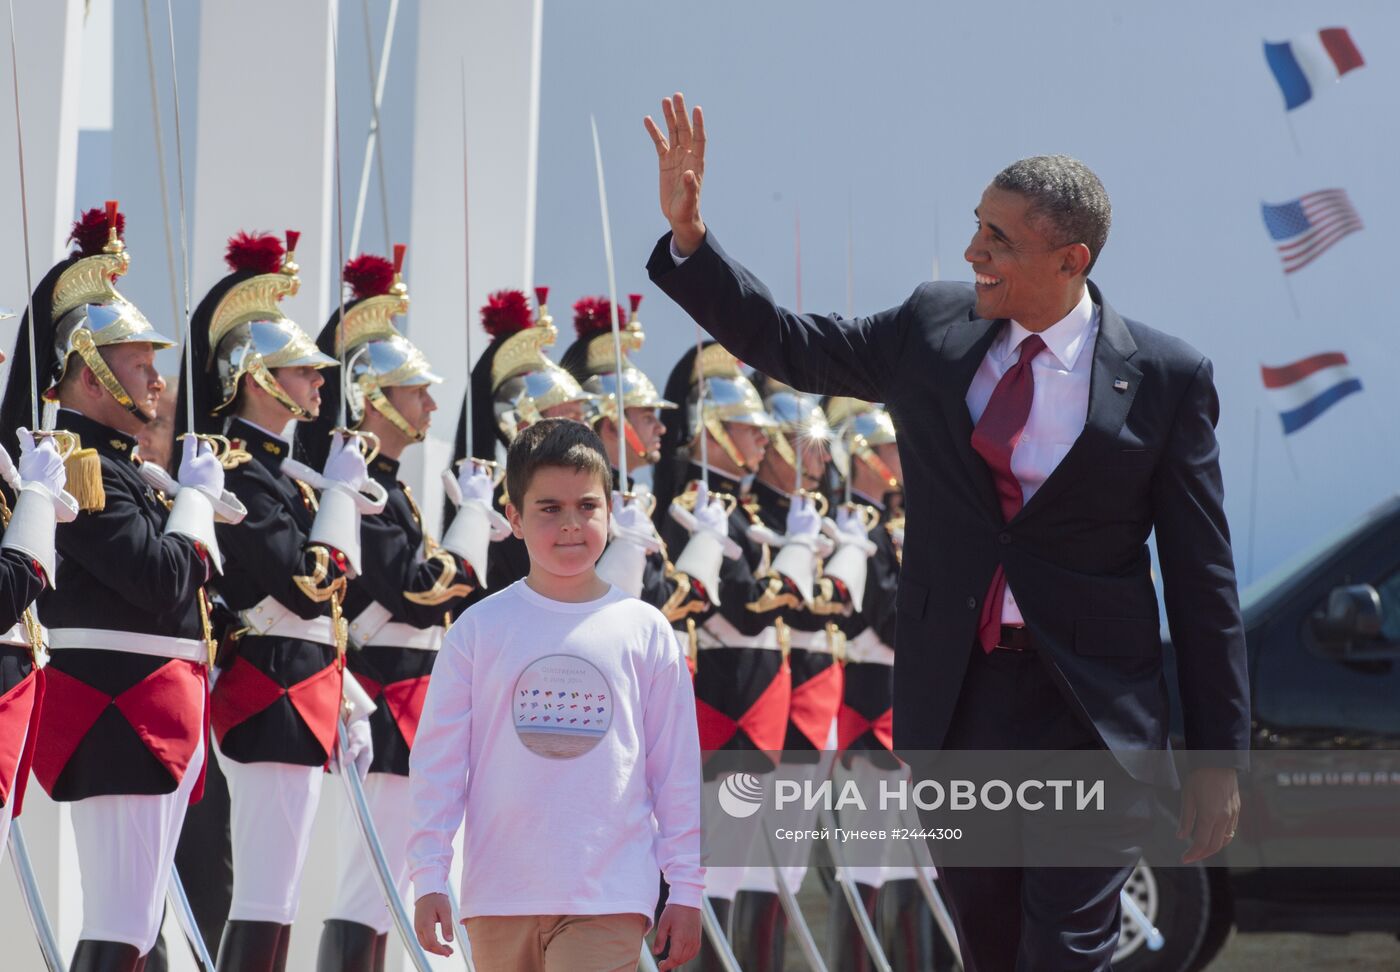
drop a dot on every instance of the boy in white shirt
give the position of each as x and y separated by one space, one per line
560 723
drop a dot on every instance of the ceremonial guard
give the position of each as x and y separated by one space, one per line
794 468
279 693
32 500
125 688
513 385
865 444
399 606
635 560
729 590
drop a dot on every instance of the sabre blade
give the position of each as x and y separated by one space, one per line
466 258
24 226
184 231
621 417
339 222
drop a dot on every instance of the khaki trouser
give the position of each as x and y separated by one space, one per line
556 943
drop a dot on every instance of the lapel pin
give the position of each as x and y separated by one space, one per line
1120 385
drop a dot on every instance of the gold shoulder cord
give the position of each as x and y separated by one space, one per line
33 631
774 596
209 639
443 588
680 604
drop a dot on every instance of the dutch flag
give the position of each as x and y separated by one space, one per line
1304 64
1303 390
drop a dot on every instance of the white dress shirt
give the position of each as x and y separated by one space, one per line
1059 405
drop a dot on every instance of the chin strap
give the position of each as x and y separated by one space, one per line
259 373
86 348
384 407
718 433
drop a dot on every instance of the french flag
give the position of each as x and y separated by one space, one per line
1303 390
1305 64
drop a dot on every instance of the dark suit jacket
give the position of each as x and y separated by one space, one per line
1075 555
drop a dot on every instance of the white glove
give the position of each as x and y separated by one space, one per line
631 524
359 746
710 516
200 469
40 465
345 464
803 522
850 529
474 483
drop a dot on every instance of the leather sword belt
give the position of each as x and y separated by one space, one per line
373 626
134 642
1015 637
270 618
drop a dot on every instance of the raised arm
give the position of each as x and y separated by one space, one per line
825 354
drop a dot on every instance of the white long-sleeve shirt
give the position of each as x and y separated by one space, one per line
565 735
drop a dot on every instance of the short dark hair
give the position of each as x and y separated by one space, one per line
557 442
1066 198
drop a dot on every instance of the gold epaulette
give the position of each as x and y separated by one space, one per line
774 597
824 600
443 588
683 602
318 585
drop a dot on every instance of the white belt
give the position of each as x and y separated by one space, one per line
867 647
817 642
719 633
373 626
270 618
396 635
134 642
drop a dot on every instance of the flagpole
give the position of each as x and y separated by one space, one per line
1292 298
1253 499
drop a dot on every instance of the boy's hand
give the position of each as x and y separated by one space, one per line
680 924
430 912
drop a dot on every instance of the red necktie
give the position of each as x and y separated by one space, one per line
995 437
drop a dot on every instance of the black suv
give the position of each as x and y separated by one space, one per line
1324 640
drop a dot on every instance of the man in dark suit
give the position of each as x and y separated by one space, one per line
1043 438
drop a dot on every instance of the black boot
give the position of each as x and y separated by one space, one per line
707 960
346 946
758 927
92 955
907 929
250 946
845 946
381 951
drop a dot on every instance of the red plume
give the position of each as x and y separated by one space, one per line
258 252
369 276
292 237
542 295
591 316
399 250
506 312
90 231
635 300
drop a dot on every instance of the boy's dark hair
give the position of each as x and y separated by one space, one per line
555 442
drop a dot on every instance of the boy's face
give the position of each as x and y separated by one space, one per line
563 519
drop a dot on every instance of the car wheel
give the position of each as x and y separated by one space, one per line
1176 901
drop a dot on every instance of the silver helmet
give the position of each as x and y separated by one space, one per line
525 383
376 355
728 397
249 334
801 421
860 427
89 311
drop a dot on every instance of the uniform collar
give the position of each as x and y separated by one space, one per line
879 504
719 482
262 445
770 498
94 435
385 471
1065 339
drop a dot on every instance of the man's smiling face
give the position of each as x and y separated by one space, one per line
1021 274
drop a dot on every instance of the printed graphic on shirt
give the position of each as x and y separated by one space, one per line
562 706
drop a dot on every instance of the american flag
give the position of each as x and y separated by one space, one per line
1305 228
